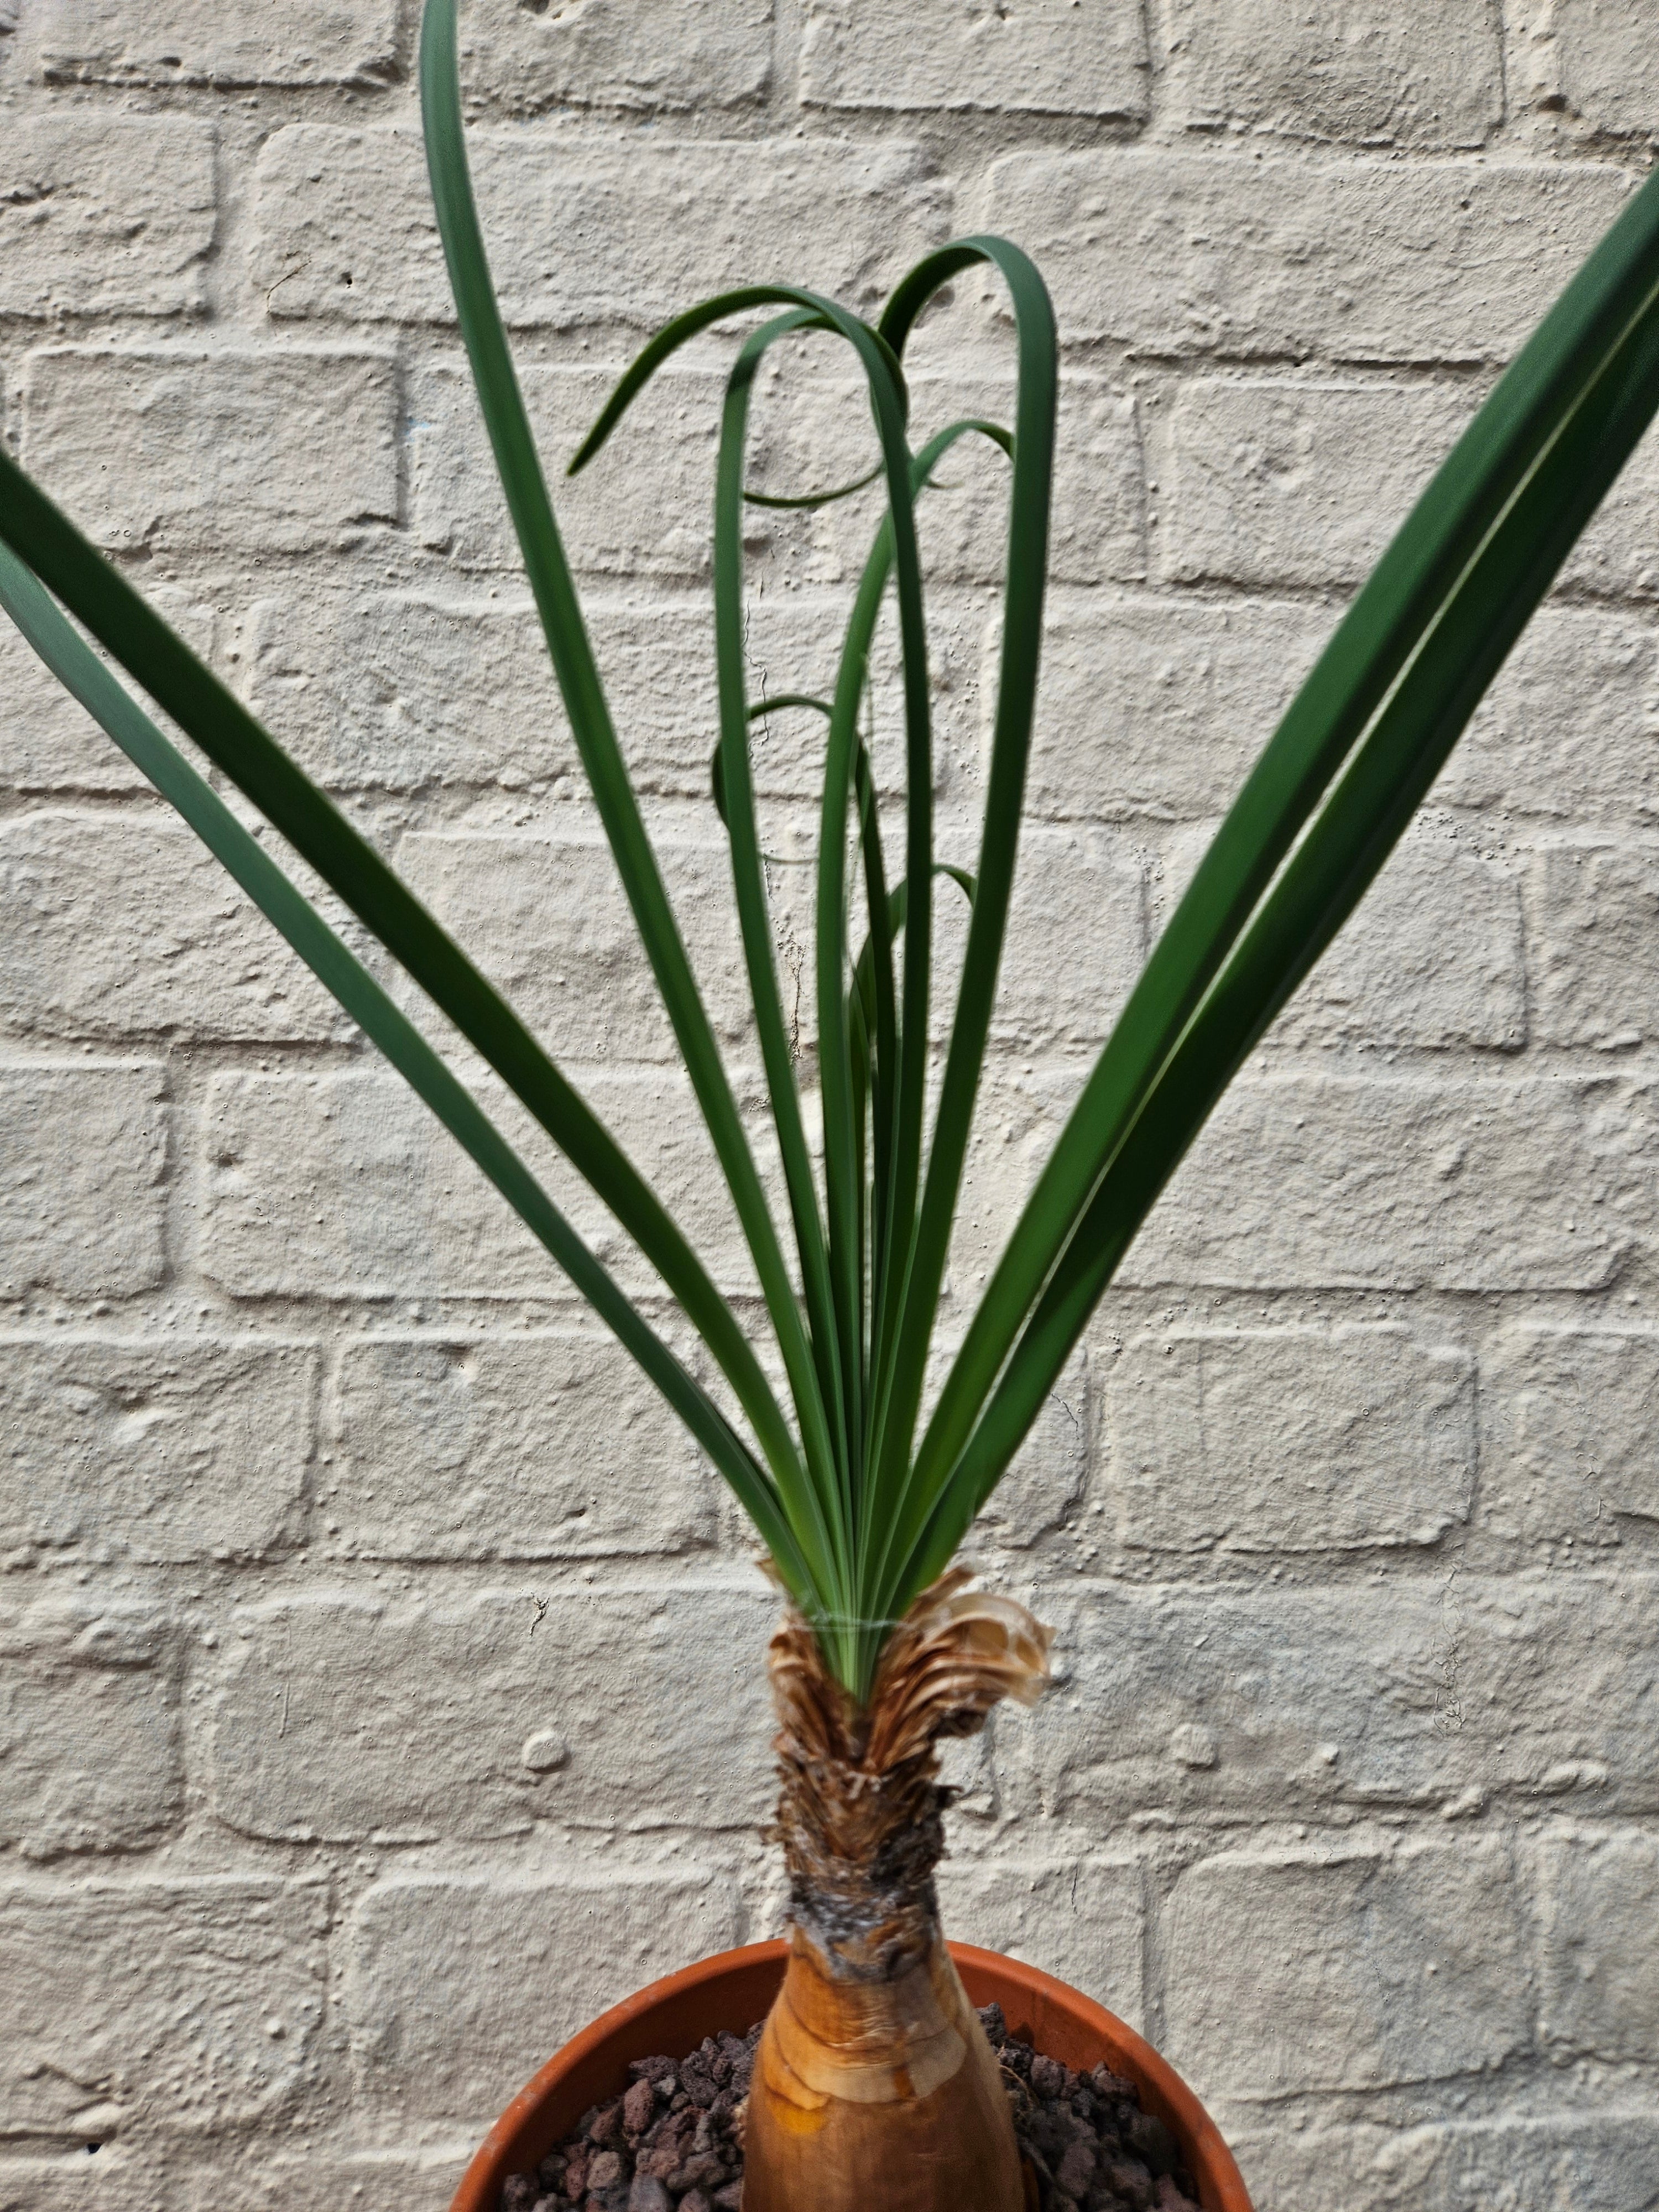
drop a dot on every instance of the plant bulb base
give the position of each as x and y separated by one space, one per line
883 2092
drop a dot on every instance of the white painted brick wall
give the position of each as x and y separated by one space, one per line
112 215
160 1449
659 55
179 950
189 1998
1419 74
379 1667
204 42
1357 1968
297 448
947 54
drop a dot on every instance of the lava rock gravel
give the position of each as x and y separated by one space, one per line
674 2142
1083 2138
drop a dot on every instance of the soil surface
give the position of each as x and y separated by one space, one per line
674 2143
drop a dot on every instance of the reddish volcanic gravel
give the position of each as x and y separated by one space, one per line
674 2143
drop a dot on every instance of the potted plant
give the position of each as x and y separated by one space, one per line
874 2085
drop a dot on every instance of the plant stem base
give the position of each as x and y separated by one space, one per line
872 2093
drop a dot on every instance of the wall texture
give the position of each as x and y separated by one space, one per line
379 1671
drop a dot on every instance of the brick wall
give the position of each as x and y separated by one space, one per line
379 1670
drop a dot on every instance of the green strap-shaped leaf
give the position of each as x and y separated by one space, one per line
214 719
1482 614
889 1231
834 1309
1024 572
812 499
890 402
1385 626
341 973
836 1380
571 652
847 780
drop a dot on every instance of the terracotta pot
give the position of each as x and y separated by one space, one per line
736 1989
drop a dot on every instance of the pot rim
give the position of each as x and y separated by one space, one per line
1220 2182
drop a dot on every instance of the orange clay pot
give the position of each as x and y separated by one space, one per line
736 1989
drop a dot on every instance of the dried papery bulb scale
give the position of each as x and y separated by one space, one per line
874 2084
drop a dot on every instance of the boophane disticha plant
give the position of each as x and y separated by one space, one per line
874 2086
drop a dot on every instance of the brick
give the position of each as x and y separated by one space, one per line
1080 888
48 742
1356 260
90 1758
1434 955
1574 669
794 643
1565 1424
371 2181
1291 1440
346 1186
967 1768
1556 1734
1040 1494
644 507
1297 2166
1277 483
82 1162
346 229
459 1987
1081 1919
1017 1117
397 689
1347 1969
1595 957
130 927
667 56
1048 57
209 42
1600 2161
155 1450
168 2176
104 214
548 920
1159 706
1463 1185
1605 65
1228 1704
1416 73
273 452
1306 1180
191 1999
321 1697
381 688
1400 1692
117 2180
1595 2161
1600 1984
435 1438
1097 532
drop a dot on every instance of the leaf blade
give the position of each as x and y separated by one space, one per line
1376 798
215 719
341 973
1351 677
